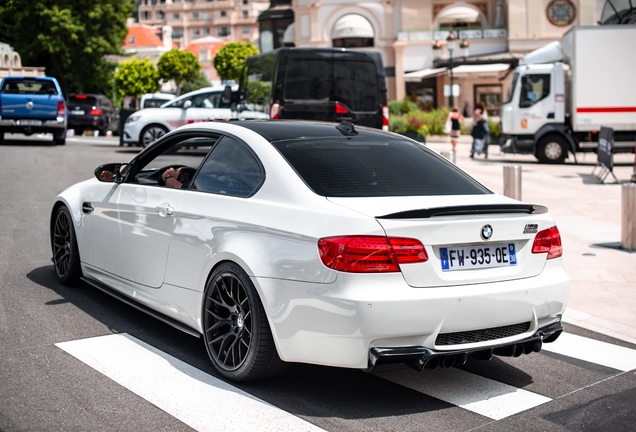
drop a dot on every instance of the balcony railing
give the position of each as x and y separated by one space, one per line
442 34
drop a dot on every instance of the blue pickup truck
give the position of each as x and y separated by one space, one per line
31 105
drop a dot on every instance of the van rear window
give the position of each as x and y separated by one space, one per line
308 79
362 167
355 84
29 87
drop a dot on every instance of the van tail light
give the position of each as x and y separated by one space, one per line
549 241
341 109
96 112
385 118
370 254
273 112
61 109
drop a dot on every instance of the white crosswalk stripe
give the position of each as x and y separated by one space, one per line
197 399
472 392
593 351
206 403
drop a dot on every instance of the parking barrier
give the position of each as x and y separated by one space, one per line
628 216
512 181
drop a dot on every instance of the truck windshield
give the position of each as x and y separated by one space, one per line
511 92
28 86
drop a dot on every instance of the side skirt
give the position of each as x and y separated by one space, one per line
125 299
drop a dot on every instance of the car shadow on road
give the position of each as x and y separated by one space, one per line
27 143
304 390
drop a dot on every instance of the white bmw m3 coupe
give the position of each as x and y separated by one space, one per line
289 241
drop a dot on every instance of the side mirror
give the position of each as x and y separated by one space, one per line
112 172
187 104
226 97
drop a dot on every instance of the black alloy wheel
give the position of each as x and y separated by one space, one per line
236 331
151 134
66 258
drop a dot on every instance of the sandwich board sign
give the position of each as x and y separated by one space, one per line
605 154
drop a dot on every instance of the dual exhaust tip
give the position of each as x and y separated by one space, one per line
450 360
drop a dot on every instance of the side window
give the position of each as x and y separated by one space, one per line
534 87
229 170
186 154
258 77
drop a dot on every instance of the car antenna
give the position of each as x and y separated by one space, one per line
346 128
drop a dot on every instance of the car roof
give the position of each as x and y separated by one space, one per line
277 130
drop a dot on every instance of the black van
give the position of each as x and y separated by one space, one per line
317 84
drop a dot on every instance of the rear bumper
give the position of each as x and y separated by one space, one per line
339 324
17 126
86 122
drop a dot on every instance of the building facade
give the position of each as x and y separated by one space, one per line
11 64
229 20
412 37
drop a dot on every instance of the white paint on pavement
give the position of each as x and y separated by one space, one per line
593 351
192 396
472 392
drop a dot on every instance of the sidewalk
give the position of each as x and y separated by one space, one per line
588 214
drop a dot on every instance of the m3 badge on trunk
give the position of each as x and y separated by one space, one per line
531 229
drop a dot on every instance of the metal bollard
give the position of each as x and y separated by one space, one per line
512 181
450 155
628 216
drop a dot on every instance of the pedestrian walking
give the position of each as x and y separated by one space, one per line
479 132
455 117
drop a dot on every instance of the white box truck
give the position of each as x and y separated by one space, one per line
563 93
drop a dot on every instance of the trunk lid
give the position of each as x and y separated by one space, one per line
451 226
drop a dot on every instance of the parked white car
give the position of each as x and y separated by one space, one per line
147 125
289 241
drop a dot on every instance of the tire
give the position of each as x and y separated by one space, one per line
59 138
66 258
235 328
1 137
552 149
150 134
79 132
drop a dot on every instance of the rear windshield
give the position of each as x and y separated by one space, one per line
81 99
29 87
340 167
155 102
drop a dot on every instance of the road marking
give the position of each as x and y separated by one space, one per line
192 396
593 351
472 392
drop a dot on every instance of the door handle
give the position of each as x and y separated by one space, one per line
164 210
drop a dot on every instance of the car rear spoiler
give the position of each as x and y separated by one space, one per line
477 209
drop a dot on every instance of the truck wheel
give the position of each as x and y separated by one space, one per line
552 149
1 137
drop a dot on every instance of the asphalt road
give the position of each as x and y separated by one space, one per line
589 385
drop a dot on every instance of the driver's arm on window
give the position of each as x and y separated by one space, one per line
170 176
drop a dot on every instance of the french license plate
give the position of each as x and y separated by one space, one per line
470 257
30 122
77 112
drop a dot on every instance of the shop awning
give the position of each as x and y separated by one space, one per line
424 73
353 26
458 14
483 68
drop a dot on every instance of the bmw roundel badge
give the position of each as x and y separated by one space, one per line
486 232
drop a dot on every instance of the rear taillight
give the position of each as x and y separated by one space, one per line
370 254
341 109
61 109
549 241
273 112
385 118
96 112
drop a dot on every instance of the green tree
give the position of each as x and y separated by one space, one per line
179 66
69 37
230 59
198 83
136 77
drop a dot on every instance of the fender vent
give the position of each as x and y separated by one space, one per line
482 335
